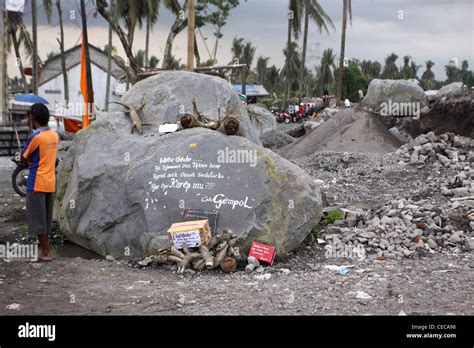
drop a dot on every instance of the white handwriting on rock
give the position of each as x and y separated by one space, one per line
220 199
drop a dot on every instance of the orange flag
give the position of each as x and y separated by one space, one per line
84 85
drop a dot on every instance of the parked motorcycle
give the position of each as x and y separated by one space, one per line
282 116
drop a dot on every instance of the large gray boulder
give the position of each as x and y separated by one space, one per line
118 193
265 123
168 95
397 98
452 90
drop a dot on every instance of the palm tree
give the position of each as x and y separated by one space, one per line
18 38
327 69
237 48
152 8
140 58
346 9
262 67
248 54
47 5
273 77
405 71
390 70
178 26
292 65
294 27
314 11
428 76
153 62
109 49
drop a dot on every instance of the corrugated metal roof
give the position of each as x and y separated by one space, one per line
252 90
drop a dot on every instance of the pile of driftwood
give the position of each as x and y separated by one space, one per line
220 252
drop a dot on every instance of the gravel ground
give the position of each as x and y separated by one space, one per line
300 284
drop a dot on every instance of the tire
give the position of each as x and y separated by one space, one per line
17 180
287 120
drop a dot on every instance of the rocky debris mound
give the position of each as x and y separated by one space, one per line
167 96
349 130
402 95
402 228
454 112
122 201
444 151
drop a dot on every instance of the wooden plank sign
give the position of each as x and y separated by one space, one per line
198 214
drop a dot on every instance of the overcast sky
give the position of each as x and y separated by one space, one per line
439 30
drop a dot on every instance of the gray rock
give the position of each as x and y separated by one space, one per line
169 94
120 203
453 89
408 97
432 244
265 123
455 238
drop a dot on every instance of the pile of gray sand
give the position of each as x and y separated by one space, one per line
349 130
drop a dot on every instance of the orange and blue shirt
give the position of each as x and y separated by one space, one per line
42 147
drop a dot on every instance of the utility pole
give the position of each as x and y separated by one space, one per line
191 24
3 69
35 46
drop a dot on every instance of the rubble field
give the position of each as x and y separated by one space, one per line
395 207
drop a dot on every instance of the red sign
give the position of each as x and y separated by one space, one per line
263 253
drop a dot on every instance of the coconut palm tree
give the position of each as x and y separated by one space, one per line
292 65
346 9
294 28
262 67
237 48
19 39
152 9
390 70
248 54
327 69
428 76
314 11
405 71
109 50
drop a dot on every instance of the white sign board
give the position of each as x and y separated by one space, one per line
191 239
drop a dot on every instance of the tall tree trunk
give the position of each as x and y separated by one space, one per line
178 26
288 72
16 47
197 56
147 43
35 46
109 62
305 45
61 48
191 33
341 58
